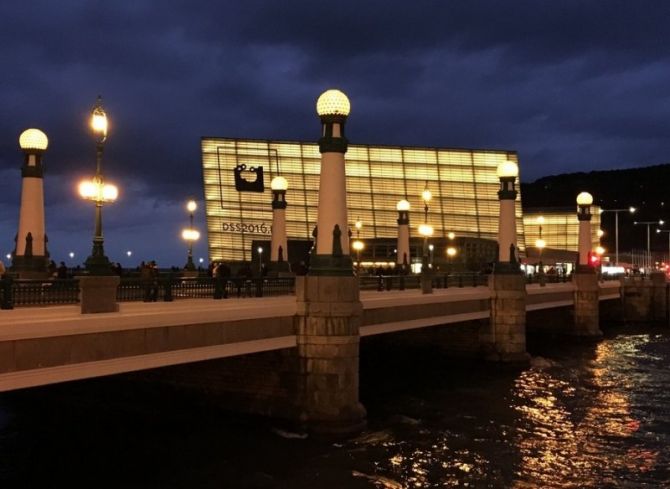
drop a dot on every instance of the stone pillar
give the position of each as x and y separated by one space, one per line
403 259
504 337
328 305
658 296
585 279
327 328
279 245
587 304
98 293
30 258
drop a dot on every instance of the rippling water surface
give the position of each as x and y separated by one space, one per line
587 416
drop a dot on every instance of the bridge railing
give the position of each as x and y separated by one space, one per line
20 293
440 281
37 292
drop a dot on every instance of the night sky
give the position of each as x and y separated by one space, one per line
571 85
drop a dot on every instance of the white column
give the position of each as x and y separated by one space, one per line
506 229
278 235
332 203
31 215
584 240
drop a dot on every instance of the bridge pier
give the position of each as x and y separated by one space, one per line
587 304
98 293
327 328
504 337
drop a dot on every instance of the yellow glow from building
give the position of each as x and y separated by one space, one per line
560 229
463 183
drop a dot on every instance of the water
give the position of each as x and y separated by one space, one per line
588 416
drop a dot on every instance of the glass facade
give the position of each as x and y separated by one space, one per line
237 175
560 230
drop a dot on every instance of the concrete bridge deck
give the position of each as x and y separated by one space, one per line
40 346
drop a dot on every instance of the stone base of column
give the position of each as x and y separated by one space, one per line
426 283
280 268
330 265
327 328
98 293
587 305
30 267
503 339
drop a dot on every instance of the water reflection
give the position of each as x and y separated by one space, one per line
580 432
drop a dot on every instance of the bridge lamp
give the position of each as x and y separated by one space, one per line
191 207
358 246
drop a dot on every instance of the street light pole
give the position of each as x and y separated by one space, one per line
658 231
616 228
99 192
660 222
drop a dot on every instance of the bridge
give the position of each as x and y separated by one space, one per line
40 346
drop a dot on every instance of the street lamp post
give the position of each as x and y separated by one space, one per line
190 235
260 261
660 222
426 230
616 228
99 192
659 231
451 253
358 245
540 244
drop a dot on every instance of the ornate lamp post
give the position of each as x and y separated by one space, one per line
279 243
30 256
331 253
507 249
540 244
451 253
358 245
403 252
584 201
99 192
190 235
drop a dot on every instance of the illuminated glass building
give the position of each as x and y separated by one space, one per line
237 175
560 229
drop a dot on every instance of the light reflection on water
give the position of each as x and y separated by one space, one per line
589 421
587 416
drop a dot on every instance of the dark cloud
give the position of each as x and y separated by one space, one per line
571 85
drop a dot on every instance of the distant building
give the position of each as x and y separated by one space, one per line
463 182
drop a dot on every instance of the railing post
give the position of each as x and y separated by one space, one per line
380 284
259 287
7 299
460 280
401 285
218 288
167 295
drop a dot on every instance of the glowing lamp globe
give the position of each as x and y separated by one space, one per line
358 245
540 243
99 119
109 192
33 139
426 230
584 198
402 205
507 169
88 189
333 102
279 183
540 220
190 235
600 250
426 195
191 206
451 251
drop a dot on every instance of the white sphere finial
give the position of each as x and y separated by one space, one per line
584 198
508 169
279 183
333 102
33 139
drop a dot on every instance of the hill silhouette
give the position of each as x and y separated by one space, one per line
645 188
